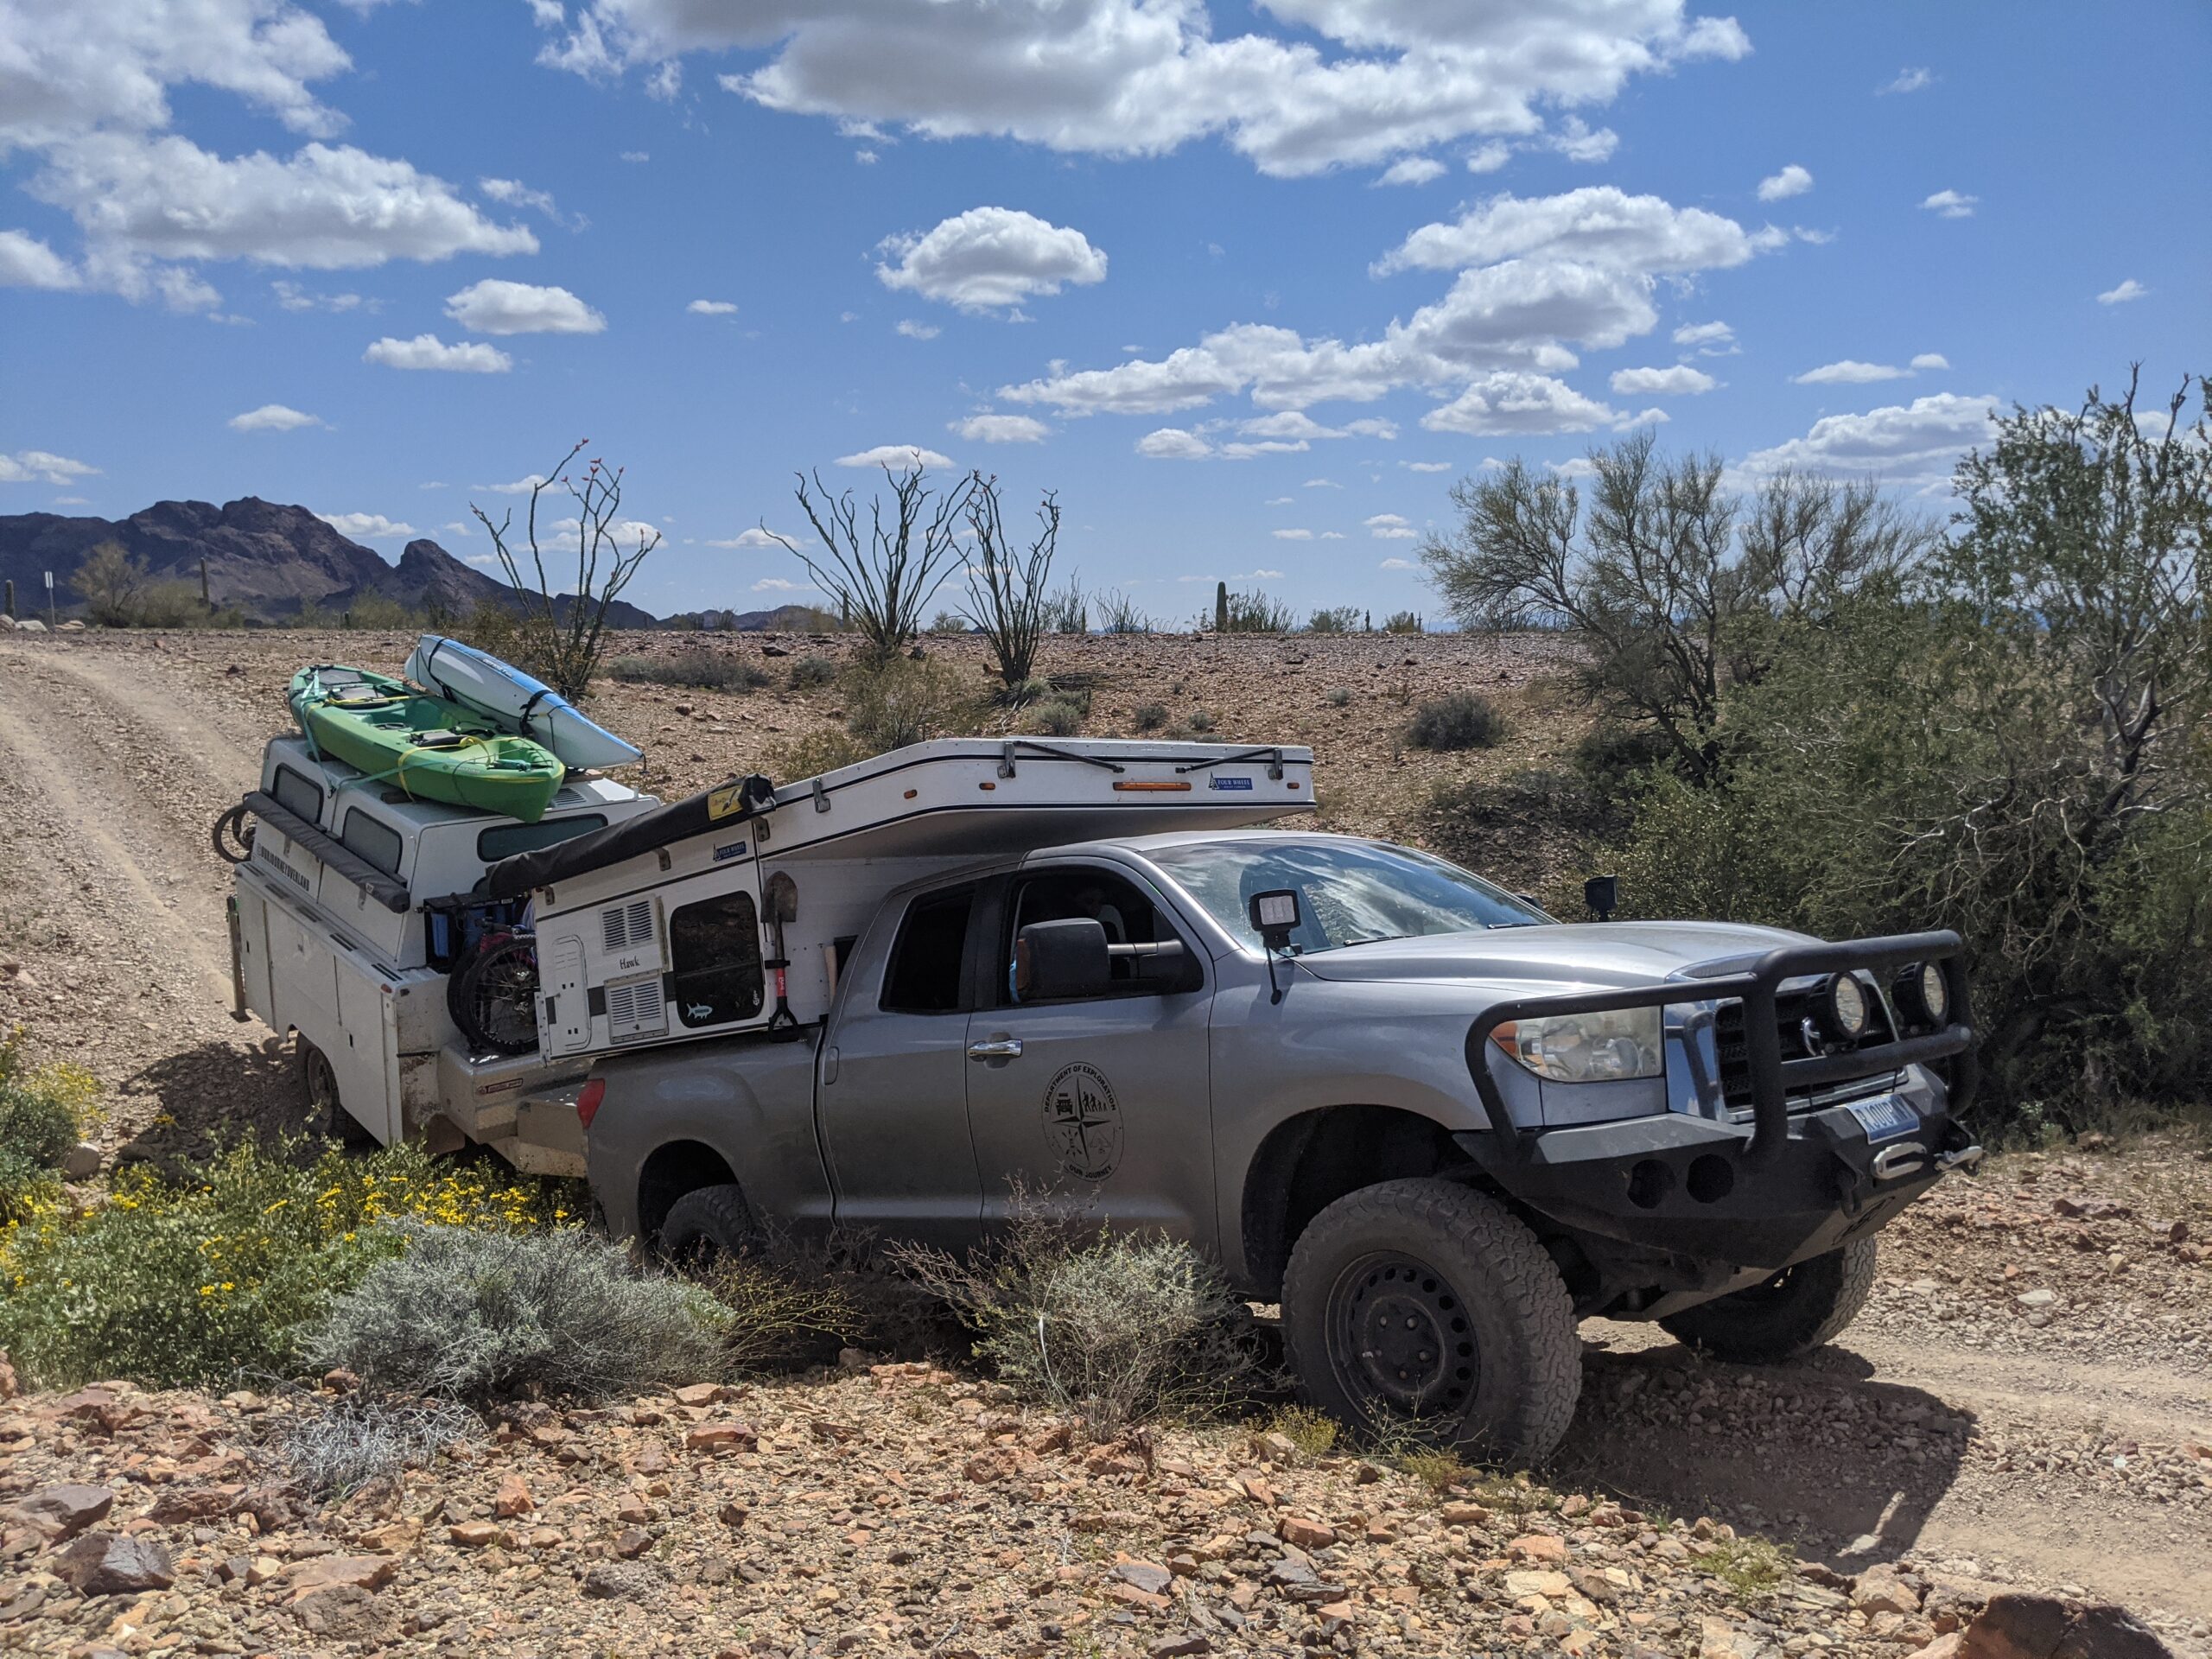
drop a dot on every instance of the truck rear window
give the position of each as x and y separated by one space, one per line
925 973
715 956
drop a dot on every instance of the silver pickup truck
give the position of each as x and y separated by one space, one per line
1436 1126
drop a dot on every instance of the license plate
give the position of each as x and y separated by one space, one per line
1884 1119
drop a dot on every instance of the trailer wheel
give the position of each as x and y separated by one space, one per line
1425 1307
326 1111
707 1223
1790 1314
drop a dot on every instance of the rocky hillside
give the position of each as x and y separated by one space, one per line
268 560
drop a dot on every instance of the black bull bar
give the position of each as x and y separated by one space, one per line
1772 1077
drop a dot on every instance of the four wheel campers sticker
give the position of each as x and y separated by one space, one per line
1083 1122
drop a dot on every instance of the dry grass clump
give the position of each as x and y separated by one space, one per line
336 1446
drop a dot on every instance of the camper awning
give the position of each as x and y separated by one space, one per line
720 808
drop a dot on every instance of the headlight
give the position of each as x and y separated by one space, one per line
1924 995
1843 1008
1607 1047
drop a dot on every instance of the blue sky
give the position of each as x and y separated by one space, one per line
1248 285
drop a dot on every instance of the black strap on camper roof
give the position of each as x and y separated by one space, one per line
392 894
723 807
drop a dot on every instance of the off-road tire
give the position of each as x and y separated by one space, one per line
319 1081
707 1223
1790 1314
1469 1271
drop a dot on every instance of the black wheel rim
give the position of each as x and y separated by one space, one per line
1400 1339
322 1084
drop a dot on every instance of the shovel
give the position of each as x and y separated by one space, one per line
780 899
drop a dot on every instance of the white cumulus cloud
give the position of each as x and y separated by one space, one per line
42 466
1509 402
1413 169
1914 442
367 526
1909 80
1850 371
1389 527
914 330
990 257
1949 204
897 456
1292 534
2130 289
712 308
1001 429
429 352
1597 225
495 306
1792 180
754 537
26 262
273 417
1397 565
1680 381
1174 443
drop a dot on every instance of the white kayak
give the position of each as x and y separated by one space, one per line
514 700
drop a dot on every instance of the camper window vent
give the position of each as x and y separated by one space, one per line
629 925
636 1010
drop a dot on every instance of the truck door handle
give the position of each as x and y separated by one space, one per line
999 1048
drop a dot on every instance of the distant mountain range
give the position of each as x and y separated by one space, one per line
266 559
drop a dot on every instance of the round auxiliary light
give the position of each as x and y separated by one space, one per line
1843 1008
1925 994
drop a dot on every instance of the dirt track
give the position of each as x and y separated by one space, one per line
1960 1422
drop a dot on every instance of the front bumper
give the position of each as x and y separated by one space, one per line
1704 1190
1683 1186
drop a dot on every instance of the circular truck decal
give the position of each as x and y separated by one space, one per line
1083 1122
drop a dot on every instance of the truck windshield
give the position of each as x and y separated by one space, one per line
1350 894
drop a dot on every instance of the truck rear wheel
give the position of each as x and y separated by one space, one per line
326 1111
1792 1313
1425 1306
707 1223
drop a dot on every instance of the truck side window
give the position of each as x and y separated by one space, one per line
298 794
1117 905
715 952
925 973
375 841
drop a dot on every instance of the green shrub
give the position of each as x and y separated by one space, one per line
197 1278
472 1315
703 669
1200 721
1462 719
904 702
788 1304
1148 716
43 1112
809 673
1337 697
1401 622
1344 618
1256 613
1057 718
811 754
1528 832
1611 755
1117 1329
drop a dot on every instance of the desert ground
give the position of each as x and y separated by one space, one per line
2027 1403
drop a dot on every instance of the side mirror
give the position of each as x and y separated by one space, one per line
1603 895
1061 959
1275 917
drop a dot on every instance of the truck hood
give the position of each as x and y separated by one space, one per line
1603 955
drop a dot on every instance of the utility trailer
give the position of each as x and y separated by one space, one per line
352 903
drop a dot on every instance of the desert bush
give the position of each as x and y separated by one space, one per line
1148 716
371 611
1200 721
1068 611
44 1111
883 577
790 1303
1116 1329
1252 613
335 1447
1612 755
948 622
110 580
1313 1433
1119 613
1337 697
811 672
1342 618
1526 832
1401 622
473 1315
893 704
699 667
200 1276
1056 717
1460 719
812 753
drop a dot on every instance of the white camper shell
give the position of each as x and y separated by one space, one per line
681 942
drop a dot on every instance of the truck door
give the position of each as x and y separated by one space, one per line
893 1096
1096 1106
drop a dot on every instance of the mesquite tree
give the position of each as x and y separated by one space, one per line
1008 601
562 631
884 578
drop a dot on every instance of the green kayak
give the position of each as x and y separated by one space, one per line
432 749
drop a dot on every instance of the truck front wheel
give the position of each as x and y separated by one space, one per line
704 1223
1792 1313
1425 1306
